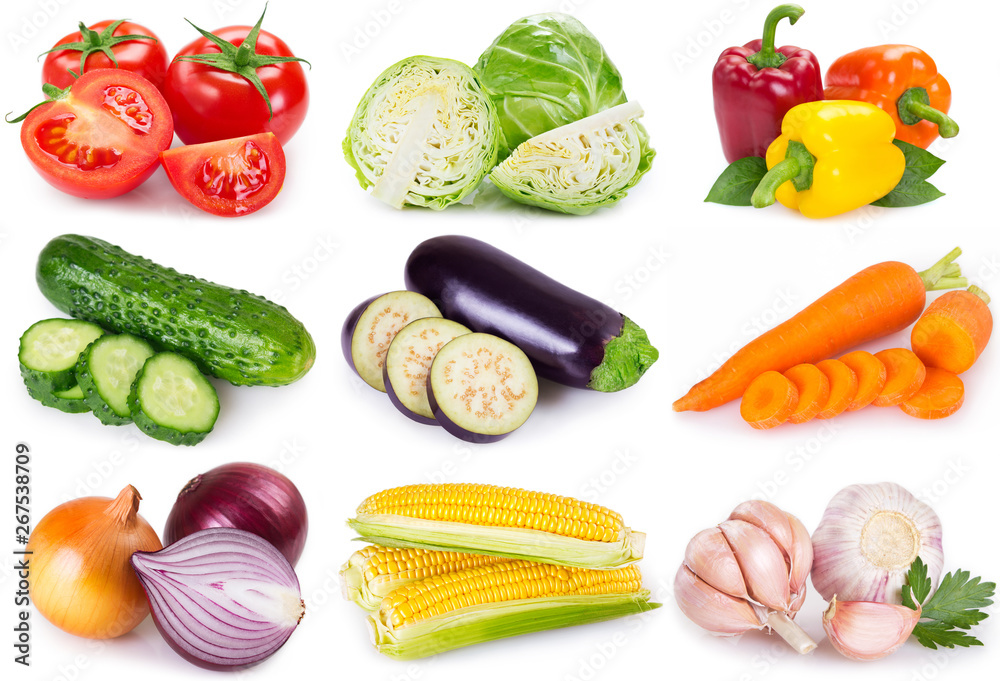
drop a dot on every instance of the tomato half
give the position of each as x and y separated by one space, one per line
230 177
148 58
210 104
102 137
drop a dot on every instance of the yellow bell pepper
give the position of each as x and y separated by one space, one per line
831 157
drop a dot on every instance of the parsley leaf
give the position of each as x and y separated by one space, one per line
953 609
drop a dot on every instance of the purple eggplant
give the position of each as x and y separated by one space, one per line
481 388
371 326
570 338
408 360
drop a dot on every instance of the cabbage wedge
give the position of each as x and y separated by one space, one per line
424 134
579 167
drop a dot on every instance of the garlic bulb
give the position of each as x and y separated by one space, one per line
746 573
867 539
868 631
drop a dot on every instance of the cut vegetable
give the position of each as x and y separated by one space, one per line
769 400
371 326
498 521
941 394
871 377
570 337
579 167
496 601
70 401
375 571
481 388
905 374
843 387
814 391
172 401
49 350
954 330
408 360
105 372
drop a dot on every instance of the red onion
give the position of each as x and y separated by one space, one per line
244 496
222 598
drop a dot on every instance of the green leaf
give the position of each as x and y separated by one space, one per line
934 634
917 584
737 182
911 191
954 608
920 163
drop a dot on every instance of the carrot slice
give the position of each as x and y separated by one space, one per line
871 375
814 391
954 330
769 400
905 374
843 387
941 394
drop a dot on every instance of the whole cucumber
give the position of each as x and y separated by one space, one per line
231 334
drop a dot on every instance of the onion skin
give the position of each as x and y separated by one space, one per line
242 496
80 577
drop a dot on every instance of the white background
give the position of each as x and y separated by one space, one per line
702 279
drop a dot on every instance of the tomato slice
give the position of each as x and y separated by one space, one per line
230 177
102 138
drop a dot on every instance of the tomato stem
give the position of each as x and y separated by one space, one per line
98 42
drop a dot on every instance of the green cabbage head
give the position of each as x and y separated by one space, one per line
425 134
546 71
579 167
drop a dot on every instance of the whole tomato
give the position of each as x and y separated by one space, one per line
135 48
211 90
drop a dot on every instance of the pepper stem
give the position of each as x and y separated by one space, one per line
980 293
943 274
914 106
793 634
768 57
782 172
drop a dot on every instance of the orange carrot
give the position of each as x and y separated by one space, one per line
941 395
769 400
843 387
814 391
875 302
905 374
953 330
871 377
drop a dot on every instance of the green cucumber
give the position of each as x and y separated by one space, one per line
231 334
70 400
172 401
49 350
105 372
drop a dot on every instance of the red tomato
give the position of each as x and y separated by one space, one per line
209 104
146 57
101 138
230 177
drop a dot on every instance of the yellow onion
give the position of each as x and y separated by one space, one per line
81 580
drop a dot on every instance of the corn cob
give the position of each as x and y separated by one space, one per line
374 571
498 521
503 599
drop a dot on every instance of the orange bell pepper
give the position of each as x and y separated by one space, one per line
901 80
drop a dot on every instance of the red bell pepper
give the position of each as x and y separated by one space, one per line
755 85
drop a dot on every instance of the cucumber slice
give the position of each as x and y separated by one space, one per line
105 372
172 401
49 350
408 360
481 388
69 401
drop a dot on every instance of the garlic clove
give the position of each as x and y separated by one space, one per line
767 517
712 609
709 556
761 561
863 630
798 598
800 555
867 539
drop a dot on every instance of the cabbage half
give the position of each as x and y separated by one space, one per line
581 166
546 71
424 134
